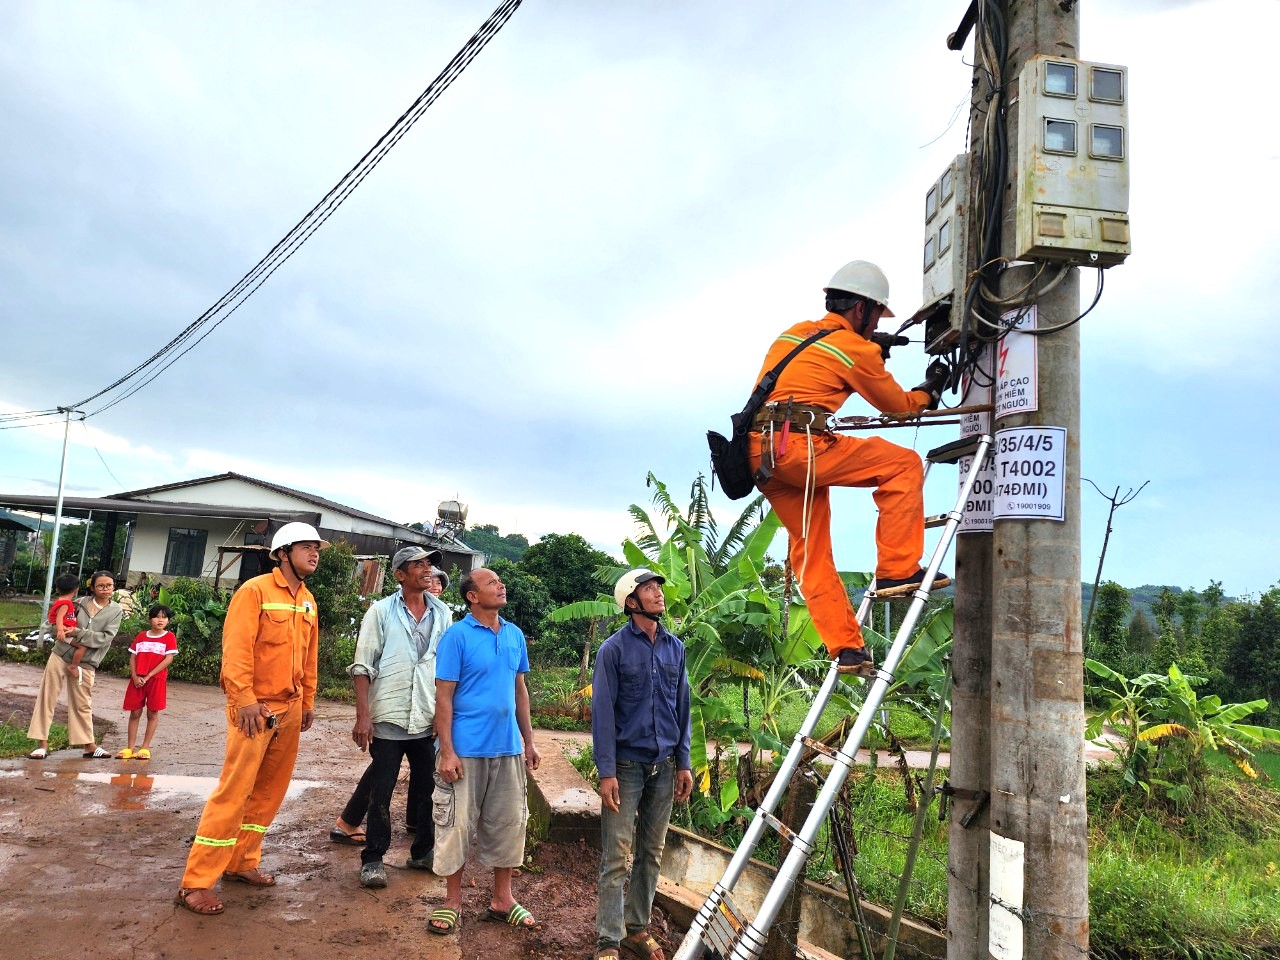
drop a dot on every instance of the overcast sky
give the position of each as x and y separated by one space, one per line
571 267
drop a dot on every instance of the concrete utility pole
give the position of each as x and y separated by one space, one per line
1037 709
969 846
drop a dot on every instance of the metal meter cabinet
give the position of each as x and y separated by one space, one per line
946 246
1073 165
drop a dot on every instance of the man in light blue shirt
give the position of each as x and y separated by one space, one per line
486 745
394 677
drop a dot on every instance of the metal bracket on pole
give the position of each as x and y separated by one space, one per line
979 799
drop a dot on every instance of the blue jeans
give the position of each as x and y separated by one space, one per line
645 794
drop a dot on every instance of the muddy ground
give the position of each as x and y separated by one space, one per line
91 853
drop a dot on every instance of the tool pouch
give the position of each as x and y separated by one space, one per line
730 460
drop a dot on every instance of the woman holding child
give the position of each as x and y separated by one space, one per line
74 661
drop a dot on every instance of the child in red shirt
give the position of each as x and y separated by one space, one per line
149 657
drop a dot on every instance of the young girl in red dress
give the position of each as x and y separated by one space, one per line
149 657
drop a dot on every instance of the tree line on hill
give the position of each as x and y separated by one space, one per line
1234 644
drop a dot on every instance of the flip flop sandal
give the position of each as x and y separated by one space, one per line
143 754
642 945
126 754
357 839
97 754
514 917
450 919
254 878
211 907
39 753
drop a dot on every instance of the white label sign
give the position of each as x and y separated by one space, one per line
978 516
1017 387
1004 928
977 509
1030 473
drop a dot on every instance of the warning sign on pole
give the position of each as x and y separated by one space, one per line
1017 386
1030 473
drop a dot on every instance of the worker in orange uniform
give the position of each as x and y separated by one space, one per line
795 458
270 642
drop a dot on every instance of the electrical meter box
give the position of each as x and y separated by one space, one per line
1072 179
946 245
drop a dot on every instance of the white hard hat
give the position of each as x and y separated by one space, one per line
864 279
628 582
295 532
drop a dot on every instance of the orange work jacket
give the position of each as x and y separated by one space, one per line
825 373
270 644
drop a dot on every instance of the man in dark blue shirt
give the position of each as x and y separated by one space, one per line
640 731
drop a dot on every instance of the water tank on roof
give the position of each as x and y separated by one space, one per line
452 514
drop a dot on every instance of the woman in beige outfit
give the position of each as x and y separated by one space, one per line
98 619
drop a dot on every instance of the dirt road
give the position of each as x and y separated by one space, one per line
91 853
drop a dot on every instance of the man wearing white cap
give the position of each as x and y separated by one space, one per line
641 733
270 650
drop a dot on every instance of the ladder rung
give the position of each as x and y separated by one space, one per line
725 925
819 746
955 450
937 520
779 826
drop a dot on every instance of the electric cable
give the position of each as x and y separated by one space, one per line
293 240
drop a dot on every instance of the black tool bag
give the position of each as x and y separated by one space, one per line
730 461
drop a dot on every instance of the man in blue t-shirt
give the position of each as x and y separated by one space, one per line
485 745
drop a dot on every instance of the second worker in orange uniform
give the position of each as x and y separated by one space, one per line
802 458
270 645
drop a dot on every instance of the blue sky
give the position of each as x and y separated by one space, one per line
570 268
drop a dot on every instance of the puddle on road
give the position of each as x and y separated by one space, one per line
133 791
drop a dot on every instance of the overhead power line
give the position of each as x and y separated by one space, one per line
146 372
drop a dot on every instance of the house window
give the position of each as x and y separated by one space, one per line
184 556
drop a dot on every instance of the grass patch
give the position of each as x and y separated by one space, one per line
14 742
19 613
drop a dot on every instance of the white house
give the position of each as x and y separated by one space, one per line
206 527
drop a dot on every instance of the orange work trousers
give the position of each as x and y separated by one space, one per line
255 777
837 461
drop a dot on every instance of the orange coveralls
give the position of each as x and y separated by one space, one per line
824 374
270 645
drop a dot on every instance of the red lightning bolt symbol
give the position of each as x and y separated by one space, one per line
1004 353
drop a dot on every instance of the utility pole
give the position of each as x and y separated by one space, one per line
57 514
1039 849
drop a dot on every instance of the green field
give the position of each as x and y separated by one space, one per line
16 613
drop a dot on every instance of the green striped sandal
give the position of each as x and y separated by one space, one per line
517 916
444 920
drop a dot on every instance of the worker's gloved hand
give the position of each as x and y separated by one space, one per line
886 341
936 379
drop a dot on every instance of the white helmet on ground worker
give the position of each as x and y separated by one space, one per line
627 585
862 278
295 532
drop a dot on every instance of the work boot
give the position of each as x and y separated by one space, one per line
856 660
887 589
373 875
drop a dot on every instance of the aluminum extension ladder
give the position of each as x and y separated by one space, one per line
719 924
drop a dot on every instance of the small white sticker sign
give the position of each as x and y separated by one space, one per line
1017 386
977 508
1030 473
1004 928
